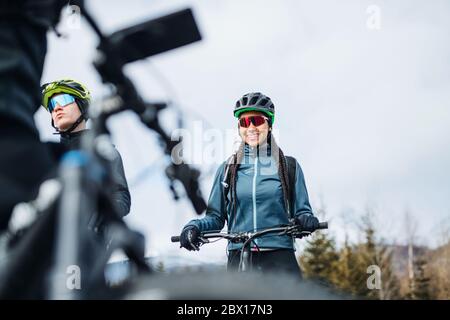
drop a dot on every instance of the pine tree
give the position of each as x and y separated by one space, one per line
438 268
342 276
350 275
360 260
319 258
421 287
366 256
390 284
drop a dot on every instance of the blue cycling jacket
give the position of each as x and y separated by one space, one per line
260 201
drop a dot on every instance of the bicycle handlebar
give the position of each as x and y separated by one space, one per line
241 237
208 235
323 225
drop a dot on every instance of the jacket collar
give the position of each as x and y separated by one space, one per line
72 137
263 150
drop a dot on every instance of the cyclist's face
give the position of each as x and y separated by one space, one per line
64 117
253 135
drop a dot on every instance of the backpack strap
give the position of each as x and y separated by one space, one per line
291 165
226 180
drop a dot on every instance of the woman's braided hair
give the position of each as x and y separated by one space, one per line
236 160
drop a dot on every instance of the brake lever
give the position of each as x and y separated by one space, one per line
203 240
302 234
291 229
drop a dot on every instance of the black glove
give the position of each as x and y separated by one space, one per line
189 238
307 222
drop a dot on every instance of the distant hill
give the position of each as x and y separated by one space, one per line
400 257
437 258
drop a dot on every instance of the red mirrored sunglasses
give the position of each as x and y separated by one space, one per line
256 120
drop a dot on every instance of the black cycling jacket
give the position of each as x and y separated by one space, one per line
121 194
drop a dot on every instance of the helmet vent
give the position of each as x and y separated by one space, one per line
253 101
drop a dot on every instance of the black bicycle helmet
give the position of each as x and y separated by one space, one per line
255 101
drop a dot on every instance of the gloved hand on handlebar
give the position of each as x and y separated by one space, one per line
189 238
307 222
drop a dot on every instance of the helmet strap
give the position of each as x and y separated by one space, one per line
80 119
71 128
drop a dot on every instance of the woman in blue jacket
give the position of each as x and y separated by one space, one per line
258 188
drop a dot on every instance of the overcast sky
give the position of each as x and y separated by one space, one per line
363 104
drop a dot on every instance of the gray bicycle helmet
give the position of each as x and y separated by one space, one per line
255 101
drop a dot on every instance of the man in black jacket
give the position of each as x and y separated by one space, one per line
67 101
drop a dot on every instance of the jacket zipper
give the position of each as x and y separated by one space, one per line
254 195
